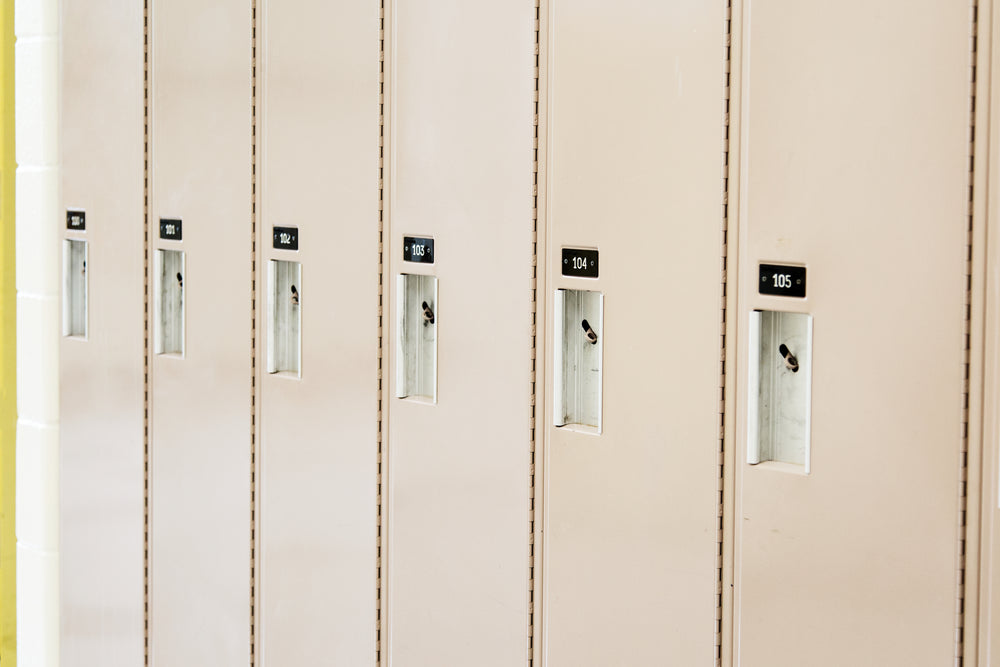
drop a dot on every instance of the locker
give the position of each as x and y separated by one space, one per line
854 176
987 579
460 111
636 95
201 398
101 353
318 123
983 644
983 583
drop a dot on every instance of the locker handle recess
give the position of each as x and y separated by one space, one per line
779 391
578 360
169 277
284 318
75 288
416 337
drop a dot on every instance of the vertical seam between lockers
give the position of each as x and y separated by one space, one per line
963 497
722 335
379 434
253 332
145 330
534 341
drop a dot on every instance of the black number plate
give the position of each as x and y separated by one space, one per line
579 262
286 238
779 280
76 220
416 249
170 229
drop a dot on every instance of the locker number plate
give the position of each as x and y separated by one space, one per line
778 280
76 220
170 229
416 249
579 263
286 238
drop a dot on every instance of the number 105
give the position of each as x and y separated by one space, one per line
782 280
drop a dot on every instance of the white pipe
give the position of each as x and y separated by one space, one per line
36 93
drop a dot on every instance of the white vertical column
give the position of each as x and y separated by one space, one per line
36 26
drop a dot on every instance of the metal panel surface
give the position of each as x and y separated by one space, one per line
988 650
855 163
8 342
986 328
101 375
319 130
462 103
200 421
636 138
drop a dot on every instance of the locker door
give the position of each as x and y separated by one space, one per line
855 170
636 125
986 324
988 649
459 331
318 290
201 317
101 355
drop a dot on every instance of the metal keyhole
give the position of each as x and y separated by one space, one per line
180 280
427 312
295 296
790 361
590 333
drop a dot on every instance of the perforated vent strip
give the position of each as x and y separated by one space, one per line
966 353
381 270
534 349
253 334
722 337
145 336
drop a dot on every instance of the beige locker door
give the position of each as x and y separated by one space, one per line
989 566
318 74
855 140
462 86
200 439
635 163
986 323
101 374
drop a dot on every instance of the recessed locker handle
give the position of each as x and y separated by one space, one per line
416 337
578 360
169 334
75 288
779 388
284 338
